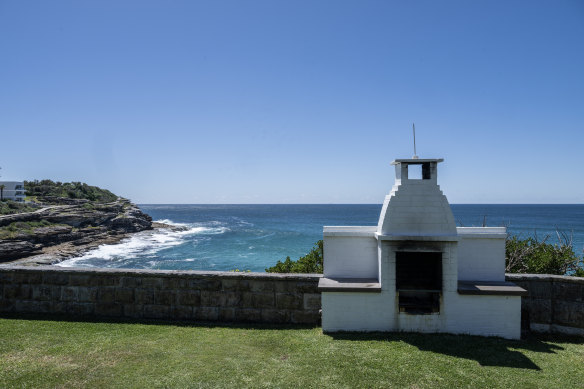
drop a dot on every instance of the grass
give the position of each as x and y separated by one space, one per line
46 353
9 207
12 230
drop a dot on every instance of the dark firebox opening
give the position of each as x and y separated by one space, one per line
419 281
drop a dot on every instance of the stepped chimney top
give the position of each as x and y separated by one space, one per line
429 169
416 206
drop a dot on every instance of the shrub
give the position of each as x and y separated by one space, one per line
72 190
310 263
14 229
534 256
8 207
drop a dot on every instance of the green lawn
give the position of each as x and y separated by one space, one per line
44 353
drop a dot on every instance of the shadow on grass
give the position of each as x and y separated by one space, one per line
486 351
155 322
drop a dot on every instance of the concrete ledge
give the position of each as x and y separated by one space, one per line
543 277
367 231
416 161
492 288
482 232
429 237
159 273
349 285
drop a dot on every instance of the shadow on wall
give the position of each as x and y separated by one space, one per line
486 351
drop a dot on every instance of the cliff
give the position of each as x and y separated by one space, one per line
63 227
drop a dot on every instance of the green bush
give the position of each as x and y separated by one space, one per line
72 190
8 207
310 263
15 228
534 256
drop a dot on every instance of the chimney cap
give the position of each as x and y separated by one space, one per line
416 161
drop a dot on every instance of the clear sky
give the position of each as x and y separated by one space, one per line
294 101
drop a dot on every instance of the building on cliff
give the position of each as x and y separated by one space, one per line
416 271
13 190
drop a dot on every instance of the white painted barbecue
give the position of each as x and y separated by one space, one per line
417 271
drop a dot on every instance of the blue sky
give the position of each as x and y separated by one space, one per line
294 101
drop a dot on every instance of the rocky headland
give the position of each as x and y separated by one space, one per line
60 227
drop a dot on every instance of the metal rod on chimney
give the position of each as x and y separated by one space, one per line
414 130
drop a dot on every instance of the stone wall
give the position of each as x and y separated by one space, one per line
554 304
152 294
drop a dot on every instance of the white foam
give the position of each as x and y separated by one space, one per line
203 231
195 228
171 223
242 222
145 243
263 236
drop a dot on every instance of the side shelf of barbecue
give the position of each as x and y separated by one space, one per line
349 285
493 288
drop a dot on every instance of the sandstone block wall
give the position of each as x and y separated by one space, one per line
554 304
151 294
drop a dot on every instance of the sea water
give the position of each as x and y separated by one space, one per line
254 237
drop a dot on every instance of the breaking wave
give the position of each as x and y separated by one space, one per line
146 244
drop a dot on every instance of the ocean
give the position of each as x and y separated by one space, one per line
253 237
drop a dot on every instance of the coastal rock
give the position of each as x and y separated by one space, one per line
62 200
50 234
13 249
132 220
80 217
79 223
22 217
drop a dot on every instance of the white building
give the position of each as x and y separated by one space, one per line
13 190
417 271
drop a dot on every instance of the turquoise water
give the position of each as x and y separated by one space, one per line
253 237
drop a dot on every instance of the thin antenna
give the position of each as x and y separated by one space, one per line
414 129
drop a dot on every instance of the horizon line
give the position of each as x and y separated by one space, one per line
350 203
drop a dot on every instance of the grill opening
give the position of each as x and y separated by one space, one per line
419 281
